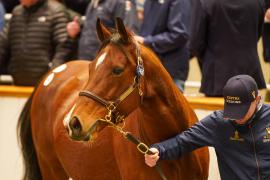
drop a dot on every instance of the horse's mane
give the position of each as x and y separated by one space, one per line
172 95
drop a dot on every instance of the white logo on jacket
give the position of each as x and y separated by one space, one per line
266 138
42 19
236 137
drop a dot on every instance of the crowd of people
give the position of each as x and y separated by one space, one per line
223 35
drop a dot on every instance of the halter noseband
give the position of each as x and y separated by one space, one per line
114 116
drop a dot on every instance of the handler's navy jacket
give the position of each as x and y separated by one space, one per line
242 153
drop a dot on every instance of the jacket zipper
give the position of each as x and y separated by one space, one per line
255 154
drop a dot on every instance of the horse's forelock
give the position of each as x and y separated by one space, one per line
116 39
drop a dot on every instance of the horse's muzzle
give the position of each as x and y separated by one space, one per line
76 130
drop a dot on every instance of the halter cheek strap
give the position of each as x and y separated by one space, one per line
114 113
115 116
113 107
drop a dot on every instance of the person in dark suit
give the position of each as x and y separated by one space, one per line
266 43
165 30
2 16
107 11
266 37
10 4
224 36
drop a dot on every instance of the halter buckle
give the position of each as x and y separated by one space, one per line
140 61
111 106
108 117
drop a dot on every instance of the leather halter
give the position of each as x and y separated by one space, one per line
114 116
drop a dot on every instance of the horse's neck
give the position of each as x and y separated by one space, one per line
165 110
164 115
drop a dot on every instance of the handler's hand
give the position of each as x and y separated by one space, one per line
151 160
267 15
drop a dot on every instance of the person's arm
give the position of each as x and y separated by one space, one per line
119 9
199 135
177 34
266 36
4 47
198 29
61 41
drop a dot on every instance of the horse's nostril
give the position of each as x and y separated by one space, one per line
75 125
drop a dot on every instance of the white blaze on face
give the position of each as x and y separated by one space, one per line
101 59
67 118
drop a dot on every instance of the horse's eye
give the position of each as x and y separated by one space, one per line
117 70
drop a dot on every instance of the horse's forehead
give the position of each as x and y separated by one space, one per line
110 50
101 59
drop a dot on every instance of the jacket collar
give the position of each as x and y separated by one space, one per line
245 127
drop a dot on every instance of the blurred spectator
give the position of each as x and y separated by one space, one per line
140 5
266 37
78 6
10 4
107 11
165 30
131 16
266 44
73 30
224 36
35 40
2 16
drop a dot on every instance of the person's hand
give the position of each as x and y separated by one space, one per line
140 15
151 160
267 15
140 39
73 28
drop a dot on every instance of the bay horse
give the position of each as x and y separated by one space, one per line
73 124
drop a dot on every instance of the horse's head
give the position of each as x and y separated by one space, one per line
114 88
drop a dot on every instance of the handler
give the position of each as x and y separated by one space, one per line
240 134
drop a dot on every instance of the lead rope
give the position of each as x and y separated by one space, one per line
141 147
144 149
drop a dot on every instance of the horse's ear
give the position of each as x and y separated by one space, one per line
102 32
122 29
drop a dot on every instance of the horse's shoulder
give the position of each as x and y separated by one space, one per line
69 70
79 63
69 76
